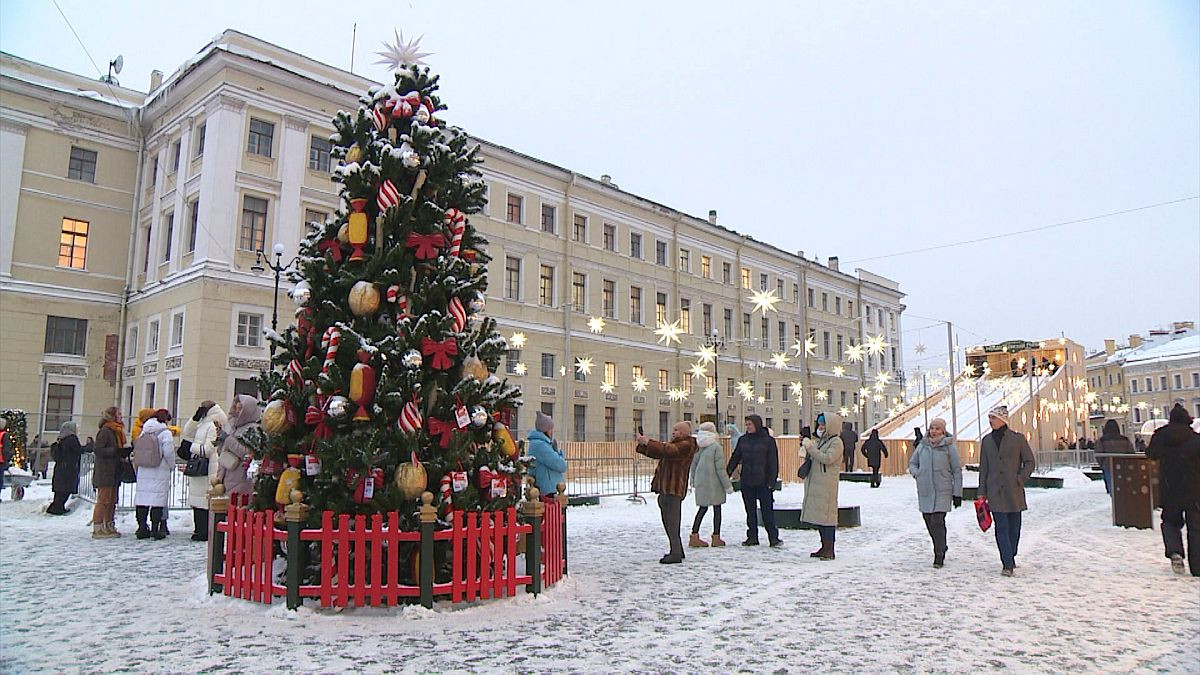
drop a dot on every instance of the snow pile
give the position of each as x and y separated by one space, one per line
1072 477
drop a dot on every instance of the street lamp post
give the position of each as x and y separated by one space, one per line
717 345
262 264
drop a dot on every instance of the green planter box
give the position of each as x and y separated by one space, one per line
1044 482
855 477
790 519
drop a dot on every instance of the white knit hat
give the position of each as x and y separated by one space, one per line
1000 412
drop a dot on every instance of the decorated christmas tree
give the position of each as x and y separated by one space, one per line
383 387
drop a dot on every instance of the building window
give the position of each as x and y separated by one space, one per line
579 229
247 387
710 382
685 260
82 165
318 153
639 419
154 172
825 343
660 253
840 348
131 343
635 245
837 306
810 299
746 278
580 376
782 336
1149 385
762 282
60 403
850 308
664 425
728 324
706 266
891 321
193 224
512 278
547 408
706 318
746 327
880 315
516 208
685 315
72 244
824 302
579 292
148 401
660 308
547 365
769 392
1162 382
314 220
261 135
511 358
177 329
609 299
779 288
726 273
639 372
249 329
610 373
664 380
176 150
610 424
546 286
1178 381
152 337
65 335
253 233
549 218
173 397
168 240
765 333
580 415
200 141
610 237
1196 380
635 305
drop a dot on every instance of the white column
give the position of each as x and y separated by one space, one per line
293 160
12 164
179 207
223 144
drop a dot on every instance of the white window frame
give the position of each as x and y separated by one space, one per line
153 330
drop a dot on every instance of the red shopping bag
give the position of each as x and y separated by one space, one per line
983 513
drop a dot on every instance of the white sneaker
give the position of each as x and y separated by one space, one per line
1177 564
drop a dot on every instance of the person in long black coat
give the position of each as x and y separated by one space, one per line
872 449
1177 449
758 455
65 481
849 443
1112 441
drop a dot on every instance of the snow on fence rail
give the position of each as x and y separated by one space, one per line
360 557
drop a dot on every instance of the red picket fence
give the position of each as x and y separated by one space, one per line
484 547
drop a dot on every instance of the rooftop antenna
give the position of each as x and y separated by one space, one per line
353 39
114 69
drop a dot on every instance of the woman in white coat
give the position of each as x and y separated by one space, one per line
154 480
202 431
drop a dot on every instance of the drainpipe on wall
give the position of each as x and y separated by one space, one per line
807 402
569 373
679 302
122 333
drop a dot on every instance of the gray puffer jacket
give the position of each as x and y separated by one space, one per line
938 473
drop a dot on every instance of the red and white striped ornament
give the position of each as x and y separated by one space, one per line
457 221
330 342
388 196
410 417
402 109
447 494
459 313
380 118
295 374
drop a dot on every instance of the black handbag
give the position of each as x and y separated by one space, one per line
805 468
125 471
196 466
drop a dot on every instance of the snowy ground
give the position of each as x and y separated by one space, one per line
1087 597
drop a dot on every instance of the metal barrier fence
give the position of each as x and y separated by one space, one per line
609 476
1051 459
177 496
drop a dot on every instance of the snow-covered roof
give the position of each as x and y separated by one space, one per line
1179 348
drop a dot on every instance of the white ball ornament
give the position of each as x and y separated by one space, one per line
479 416
412 359
302 293
422 115
338 407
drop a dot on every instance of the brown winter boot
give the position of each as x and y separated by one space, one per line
694 541
826 551
99 531
111 526
717 541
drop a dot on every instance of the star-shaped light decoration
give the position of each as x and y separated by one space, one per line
855 353
822 395
762 400
1021 363
583 364
780 360
844 411
969 370
1089 397
562 371
883 377
517 340
697 370
402 54
796 389
707 354
745 389
810 347
877 398
640 383
606 387
864 392
710 393
987 370
668 332
520 369
876 345
838 371
596 324
677 394
879 387
764 301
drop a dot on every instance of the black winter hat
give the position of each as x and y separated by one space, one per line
1179 415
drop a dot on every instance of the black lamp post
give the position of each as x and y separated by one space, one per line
717 345
261 264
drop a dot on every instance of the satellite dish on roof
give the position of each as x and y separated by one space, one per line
114 68
117 64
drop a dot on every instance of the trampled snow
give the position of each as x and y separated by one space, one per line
1086 597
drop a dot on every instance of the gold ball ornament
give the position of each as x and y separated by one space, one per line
411 479
343 234
354 154
276 418
473 367
364 298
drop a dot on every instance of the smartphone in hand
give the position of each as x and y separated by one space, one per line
640 431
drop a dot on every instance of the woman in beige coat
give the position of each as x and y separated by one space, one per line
821 486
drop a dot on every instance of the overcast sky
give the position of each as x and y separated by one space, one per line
856 129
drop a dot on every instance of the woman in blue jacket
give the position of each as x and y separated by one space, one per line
550 467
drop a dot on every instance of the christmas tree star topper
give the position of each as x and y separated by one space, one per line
402 54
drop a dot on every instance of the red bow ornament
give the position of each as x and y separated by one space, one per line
439 352
443 429
333 247
315 417
426 245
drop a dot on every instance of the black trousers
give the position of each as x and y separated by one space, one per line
59 505
848 459
200 516
753 497
157 522
935 524
876 479
700 519
1173 521
669 508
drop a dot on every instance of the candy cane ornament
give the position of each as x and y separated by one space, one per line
330 342
457 222
410 417
459 314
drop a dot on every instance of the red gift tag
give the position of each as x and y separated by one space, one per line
458 480
461 416
499 488
368 487
312 465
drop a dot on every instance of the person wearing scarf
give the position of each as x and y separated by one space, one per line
109 449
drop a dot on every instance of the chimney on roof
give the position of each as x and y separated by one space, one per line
1110 346
833 263
606 179
1135 340
712 216
155 79
801 254
1182 327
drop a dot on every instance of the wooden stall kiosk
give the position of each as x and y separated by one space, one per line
1134 484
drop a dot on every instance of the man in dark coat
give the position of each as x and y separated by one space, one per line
1005 463
65 481
671 480
758 455
849 444
873 448
1177 449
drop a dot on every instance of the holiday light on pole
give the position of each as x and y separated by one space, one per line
640 384
822 395
520 369
668 332
596 324
517 340
796 389
876 345
607 387
854 353
883 377
780 360
676 394
710 394
838 371
745 389
697 371
583 365
707 353
764 301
